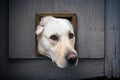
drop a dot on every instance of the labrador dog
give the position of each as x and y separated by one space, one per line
56 40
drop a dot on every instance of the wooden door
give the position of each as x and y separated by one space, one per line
91 26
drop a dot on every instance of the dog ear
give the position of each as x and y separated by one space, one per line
39 29
42 24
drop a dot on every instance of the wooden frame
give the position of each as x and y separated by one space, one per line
70 16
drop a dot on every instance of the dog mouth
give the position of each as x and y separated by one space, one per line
65 65
70 61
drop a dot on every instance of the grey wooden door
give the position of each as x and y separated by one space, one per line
91 22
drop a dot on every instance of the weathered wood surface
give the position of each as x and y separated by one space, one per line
91 19
90 25
112 39
90 39
22 26
44 70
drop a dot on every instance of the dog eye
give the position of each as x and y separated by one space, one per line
71 35
54 37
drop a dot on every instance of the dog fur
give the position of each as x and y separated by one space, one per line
56 39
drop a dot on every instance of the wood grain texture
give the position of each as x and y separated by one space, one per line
22 26
90 25
116 24
90 39
45 70
112 41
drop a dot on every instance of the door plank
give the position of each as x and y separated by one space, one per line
112 50
22 26
90 25
45 70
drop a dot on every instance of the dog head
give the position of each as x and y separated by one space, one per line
56 40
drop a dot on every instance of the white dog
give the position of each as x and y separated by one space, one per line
56 40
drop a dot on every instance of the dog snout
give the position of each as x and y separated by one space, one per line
71 58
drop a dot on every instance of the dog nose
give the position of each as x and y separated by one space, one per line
71 58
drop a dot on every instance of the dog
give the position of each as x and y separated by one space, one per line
56 40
